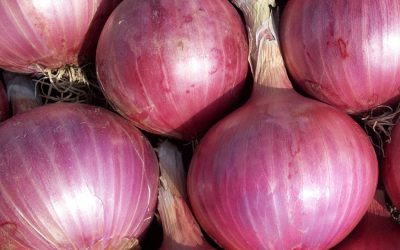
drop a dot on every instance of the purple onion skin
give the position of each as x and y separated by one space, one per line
173 67
50 34
344 53
391 168
74 176
282 172
376 231
3 103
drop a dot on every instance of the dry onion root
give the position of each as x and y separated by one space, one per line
180 229
378 123
68 84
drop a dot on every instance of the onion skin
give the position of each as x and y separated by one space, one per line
21 92
391 168
180 229
377 230
266 179
74 176
344 53
282 171
3 103
173 67
50 33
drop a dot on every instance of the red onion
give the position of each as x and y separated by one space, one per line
3 103
50 33
21 92
74 176
391 168
376 230
283 171
345 53
173 67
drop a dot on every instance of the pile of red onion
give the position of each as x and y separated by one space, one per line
345 53
281 171
173 67
74 177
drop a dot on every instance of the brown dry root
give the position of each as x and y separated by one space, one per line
394 212
379 124
68 84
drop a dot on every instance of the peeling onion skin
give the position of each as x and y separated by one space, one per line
50 33
173 67
391 168
74 176
344 53
3 103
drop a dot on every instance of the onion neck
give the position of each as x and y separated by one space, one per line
265 56
180 228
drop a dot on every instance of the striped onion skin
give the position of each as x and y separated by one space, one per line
391 168
282 172
3 103
173 67
74 176
344 53
50 33
377 229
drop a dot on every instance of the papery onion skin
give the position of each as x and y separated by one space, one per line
50 33
74 176
391 168
173 67
3 103
282 172
344 53
377 230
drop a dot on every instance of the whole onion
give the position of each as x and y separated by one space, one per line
377 230
173 67
282 171
74 177
345 53
36 35
3 103
391 167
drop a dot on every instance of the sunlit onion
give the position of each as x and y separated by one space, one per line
173 67
50 33
345 53
74 177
